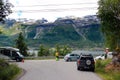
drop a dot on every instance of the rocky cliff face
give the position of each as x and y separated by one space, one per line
80 25
42 29
72 31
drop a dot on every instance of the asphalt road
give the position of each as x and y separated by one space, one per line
54 70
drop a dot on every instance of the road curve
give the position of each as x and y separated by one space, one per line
54 70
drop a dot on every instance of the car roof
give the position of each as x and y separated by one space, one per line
10 48
74 53
86 55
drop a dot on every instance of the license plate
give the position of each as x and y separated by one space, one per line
86 67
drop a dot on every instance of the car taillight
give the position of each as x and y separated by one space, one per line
93 62
78 61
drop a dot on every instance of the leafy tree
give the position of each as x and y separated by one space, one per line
58 48
21 45
43 51
109 14
5 9
65 50
46 52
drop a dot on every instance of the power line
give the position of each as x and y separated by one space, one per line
56 10
55 4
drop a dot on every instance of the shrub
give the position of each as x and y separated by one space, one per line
8 71
102 63
3 63
110 75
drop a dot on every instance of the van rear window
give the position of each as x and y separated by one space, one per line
86 58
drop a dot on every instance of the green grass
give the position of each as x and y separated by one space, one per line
8 72
110 75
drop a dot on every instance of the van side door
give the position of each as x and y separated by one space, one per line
14 55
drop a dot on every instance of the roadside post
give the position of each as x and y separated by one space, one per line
106 52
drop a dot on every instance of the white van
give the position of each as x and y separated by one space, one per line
10 53
102 57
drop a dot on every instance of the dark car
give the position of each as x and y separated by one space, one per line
86 62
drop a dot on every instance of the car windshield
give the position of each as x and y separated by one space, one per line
85 58
19 54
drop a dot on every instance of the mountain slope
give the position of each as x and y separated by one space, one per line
79 32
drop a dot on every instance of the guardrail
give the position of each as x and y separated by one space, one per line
42 57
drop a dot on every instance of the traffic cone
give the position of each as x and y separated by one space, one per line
23 60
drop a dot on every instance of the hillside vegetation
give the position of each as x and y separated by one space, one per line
77 33
8 71
104 72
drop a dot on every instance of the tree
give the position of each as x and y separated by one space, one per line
63 50
5 9
66 50
109 14
43 51
57 49
46 52
21 45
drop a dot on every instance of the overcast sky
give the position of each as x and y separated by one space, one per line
52 9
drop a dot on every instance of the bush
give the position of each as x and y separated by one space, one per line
102 63
100 69
8 72
3 63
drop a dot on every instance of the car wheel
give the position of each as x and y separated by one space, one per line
17 60
69 59
78 68
93 70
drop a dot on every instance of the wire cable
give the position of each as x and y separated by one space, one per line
55 4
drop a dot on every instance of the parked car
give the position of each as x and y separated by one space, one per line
71 57
11 53
86 62
102 56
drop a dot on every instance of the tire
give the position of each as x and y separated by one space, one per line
78 68
81 69
88 62
17 60
93 69
69 60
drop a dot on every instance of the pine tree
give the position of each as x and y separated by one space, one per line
21 45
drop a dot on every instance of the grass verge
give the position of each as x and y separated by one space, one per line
109 75
8 71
